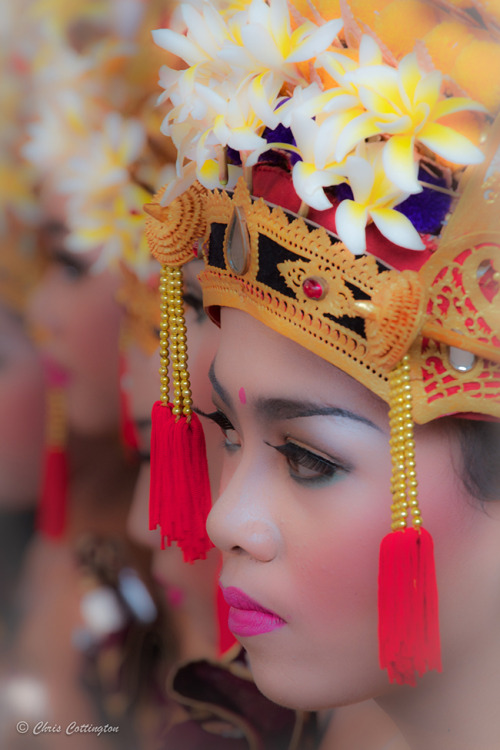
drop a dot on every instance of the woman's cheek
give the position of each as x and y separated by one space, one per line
22 406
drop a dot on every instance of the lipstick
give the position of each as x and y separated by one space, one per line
246 616
56 375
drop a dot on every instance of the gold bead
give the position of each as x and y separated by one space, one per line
417 522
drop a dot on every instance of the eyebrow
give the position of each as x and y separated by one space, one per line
283 408
218 387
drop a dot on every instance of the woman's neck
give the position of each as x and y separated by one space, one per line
456 710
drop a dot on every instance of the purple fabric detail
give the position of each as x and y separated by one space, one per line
280 134
425 210
233 156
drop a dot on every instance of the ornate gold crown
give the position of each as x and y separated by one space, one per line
355 312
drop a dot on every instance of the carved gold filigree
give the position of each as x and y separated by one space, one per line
172 231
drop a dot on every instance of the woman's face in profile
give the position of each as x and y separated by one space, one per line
76 320
305 502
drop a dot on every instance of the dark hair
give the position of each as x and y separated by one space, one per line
480 444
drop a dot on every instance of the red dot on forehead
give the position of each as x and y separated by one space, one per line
242 396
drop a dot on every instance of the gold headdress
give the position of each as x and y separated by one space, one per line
323 164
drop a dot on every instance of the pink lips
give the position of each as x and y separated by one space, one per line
57 376
246 616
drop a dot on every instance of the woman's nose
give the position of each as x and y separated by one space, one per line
241 520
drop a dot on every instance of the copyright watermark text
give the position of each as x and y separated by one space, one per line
44 727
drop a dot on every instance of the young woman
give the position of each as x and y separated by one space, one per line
353 270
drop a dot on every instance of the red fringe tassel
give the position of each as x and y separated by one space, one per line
180 498
408 606
51 517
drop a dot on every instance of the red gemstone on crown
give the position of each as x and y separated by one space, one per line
313 289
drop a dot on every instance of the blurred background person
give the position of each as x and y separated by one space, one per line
91 646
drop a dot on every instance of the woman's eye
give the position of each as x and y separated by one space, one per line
306 466
231 437
72 267
195 303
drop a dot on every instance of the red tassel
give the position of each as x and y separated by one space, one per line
408 606
180 489
161 427
51 517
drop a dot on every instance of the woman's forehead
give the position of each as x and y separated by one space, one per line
271 366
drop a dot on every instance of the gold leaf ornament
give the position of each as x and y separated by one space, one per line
172 231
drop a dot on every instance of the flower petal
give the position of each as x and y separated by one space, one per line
428 89
350 223
309 183
397 228
178 45
361 177
409 76
456 104
315 43
260 93
199 33
262 46
399 163
369 51
449 144
379 78
355 130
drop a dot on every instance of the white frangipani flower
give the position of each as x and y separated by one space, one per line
316 170
374 198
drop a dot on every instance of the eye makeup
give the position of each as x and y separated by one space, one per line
220 419
195 302
305 465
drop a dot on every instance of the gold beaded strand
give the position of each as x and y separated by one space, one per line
173 345
164 355
402 442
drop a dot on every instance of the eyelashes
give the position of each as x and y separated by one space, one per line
218 417
72 266
231 439
196 303
305 466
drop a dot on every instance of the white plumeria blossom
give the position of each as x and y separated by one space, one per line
238 64
404 103
248 71
374 198
101 168
317 169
